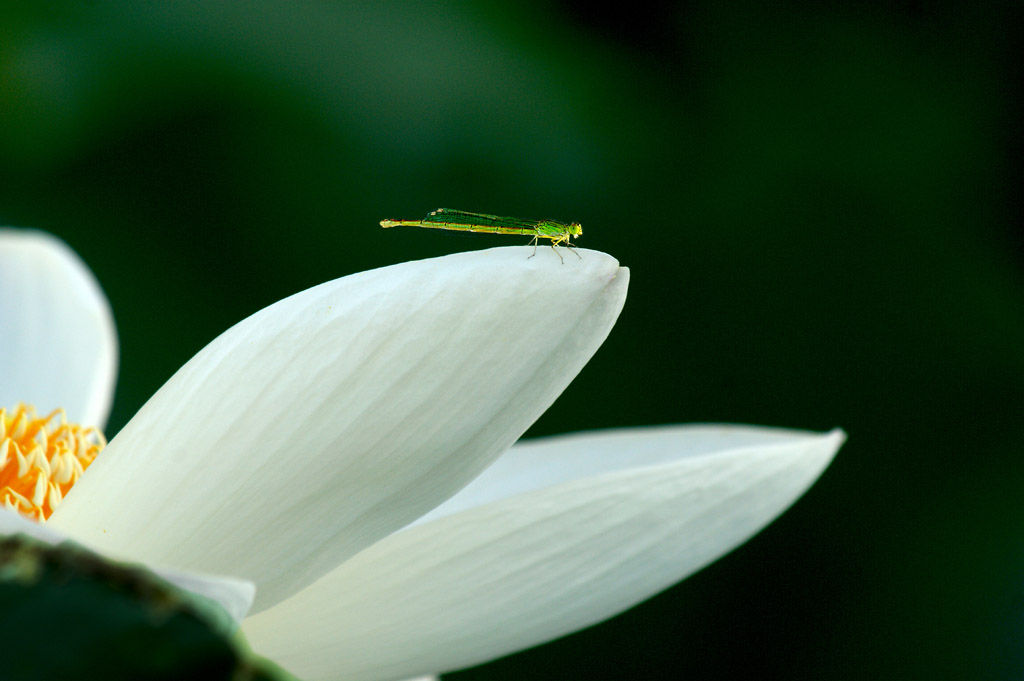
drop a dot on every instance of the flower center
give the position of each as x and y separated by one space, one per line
41 458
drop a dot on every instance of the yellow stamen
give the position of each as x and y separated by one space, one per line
42 458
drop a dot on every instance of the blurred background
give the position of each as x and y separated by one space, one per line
816 203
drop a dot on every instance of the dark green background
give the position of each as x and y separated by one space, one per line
816 204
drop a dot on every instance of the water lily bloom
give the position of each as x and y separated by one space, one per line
349 450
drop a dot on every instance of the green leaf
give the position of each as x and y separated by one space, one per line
69 613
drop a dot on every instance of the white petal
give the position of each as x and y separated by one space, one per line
234 595
564 533
334 417
58 344
15 523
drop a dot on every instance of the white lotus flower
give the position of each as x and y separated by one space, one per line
349 450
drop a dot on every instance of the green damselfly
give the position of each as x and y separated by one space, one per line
559 233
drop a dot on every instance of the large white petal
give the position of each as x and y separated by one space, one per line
234 595
560 534
338 415
58 345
